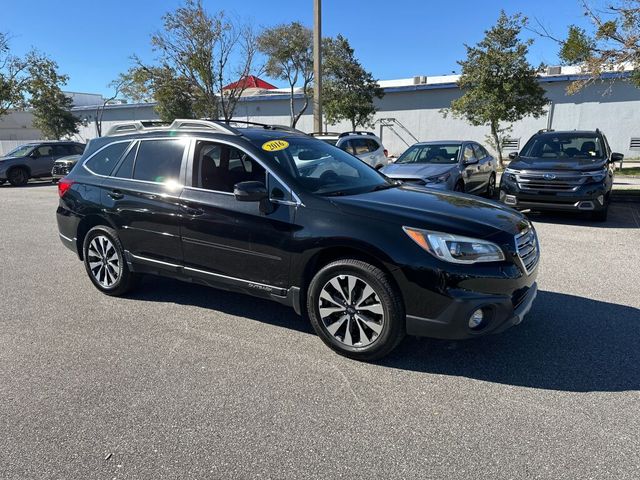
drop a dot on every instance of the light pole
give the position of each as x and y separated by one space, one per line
317 65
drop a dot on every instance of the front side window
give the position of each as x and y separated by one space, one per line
564 146
106 159
159 160
467 154
44 151
435 153
323 169
219 167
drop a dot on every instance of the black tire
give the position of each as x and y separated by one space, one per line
384 297
18 176
2 181
491 186
125 280
459 187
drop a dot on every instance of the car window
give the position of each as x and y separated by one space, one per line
347 147
373 145
478 151
564 146
219 167
125 169
361 146
78 149
320 168
61 150
45 150
106 159
159 160
433 153
467 153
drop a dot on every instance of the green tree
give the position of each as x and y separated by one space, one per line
13 78
612 45
500 86
289 52
51 107
348 89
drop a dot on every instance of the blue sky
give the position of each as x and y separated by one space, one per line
92 41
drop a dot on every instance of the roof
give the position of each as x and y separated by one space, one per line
250 81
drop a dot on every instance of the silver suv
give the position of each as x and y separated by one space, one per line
364 145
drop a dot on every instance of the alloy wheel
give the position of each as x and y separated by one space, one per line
351 311
104 262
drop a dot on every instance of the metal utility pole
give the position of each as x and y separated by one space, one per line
317 65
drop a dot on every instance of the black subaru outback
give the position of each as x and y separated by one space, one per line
569 171
274 213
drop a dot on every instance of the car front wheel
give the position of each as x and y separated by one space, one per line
18 177
104 262
355 309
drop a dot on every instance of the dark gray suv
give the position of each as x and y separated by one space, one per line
34 160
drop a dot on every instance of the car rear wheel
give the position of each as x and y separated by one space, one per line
105 264
18 177
355 309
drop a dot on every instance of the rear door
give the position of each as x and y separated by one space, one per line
141 197
243 244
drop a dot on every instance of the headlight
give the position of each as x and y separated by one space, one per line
454 248
510 174
598 176
438 178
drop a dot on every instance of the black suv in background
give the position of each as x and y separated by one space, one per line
34 160
275 213
569 171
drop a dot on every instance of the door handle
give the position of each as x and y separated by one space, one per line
116 194
194 212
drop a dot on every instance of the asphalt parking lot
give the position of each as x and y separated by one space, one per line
182 381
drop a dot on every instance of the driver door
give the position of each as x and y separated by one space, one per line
471 173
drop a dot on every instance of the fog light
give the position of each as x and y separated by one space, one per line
476 319
601 199
502 195
510 200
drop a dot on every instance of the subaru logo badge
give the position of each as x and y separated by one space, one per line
549 176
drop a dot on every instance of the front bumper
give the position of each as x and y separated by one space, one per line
453 323
591 197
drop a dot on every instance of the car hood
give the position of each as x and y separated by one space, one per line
69 159
546 164
2 159
431 209
422 170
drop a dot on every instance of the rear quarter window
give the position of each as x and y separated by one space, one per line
106 159
159 160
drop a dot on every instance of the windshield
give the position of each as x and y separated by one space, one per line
323 169
564 146
436 154
20 151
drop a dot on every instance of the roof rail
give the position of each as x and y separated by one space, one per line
317 134
542 130
355 132
178 124
266 126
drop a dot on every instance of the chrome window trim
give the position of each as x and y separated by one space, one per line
84 163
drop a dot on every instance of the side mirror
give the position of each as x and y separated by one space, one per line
513 155
470 161
35 154
250 191
616 157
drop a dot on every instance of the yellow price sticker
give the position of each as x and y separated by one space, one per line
275 145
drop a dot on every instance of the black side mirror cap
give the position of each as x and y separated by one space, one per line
616 157
513 155
250 191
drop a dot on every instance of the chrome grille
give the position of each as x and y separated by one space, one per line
550 181
60 169
528 250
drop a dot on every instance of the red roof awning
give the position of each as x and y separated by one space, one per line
250 81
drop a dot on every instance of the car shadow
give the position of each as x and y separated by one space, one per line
620 216
31 184
566 343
